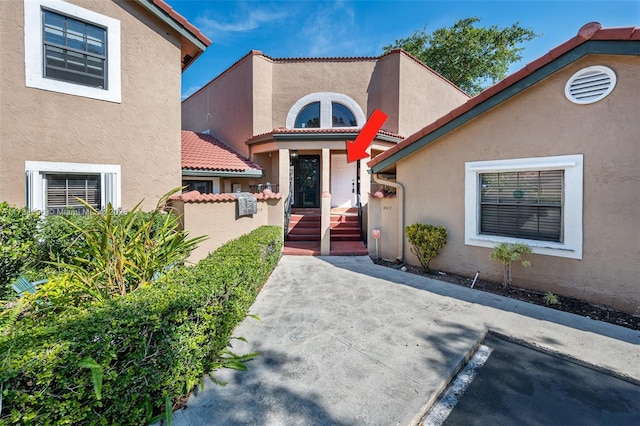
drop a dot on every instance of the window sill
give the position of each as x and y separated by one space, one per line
546 248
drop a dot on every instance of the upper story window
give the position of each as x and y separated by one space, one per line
342 116
71 50
74 51
325 110
309 116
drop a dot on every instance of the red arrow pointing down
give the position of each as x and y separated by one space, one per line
357 150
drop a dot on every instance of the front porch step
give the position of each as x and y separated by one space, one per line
344 224
305 225
312 248
346 237
303 237
306 211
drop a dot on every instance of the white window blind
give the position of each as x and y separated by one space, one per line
522 204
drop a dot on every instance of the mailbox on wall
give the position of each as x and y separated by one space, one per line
247 204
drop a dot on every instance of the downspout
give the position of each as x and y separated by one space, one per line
400 194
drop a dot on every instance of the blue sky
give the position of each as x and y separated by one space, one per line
361 28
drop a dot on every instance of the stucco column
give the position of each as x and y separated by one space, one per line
325 208
284 183
283 172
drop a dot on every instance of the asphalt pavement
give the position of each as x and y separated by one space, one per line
343 341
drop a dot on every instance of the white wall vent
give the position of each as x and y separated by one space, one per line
590 84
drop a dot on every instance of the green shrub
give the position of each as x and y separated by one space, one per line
116 254
152 346
507 254
17 244
60 238
425 241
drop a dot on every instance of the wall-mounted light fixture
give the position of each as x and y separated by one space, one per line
293 154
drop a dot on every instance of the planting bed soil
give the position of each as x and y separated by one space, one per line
567 304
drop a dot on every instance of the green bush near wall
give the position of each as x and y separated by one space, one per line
18 244
155 343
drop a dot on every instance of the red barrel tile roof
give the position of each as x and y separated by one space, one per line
182 21
197 197
204 152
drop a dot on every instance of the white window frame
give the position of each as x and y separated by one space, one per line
36 189
572 165
325 99
34 48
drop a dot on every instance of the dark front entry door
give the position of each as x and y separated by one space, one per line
306 170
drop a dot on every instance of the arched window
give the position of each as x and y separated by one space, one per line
325 110
309 116
341 116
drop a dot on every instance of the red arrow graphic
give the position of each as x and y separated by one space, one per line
357 150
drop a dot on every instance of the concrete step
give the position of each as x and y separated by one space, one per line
341 231
306 212
345 237
303 237
343 210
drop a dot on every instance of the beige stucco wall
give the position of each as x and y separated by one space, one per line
384 89
541 122
225 107
383 215
262 81
293 80
220 223
423 96
142 133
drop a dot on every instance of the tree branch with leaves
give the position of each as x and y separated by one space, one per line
470 57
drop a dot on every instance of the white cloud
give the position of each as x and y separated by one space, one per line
245 21
188 92
332 29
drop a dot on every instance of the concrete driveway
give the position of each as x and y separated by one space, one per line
343 341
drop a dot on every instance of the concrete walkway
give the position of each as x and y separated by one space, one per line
343 341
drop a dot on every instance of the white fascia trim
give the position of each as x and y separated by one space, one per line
325 99
34 56
35 171
572 165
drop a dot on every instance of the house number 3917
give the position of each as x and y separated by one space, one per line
387 207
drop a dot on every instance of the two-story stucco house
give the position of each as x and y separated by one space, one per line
90 101
293 116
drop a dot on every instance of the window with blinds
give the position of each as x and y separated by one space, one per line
74 51
522 204
63 191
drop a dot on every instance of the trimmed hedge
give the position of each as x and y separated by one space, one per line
156 342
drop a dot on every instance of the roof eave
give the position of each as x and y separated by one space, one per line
341 136
199 41
247 173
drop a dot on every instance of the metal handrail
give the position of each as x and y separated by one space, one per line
287 213
363 234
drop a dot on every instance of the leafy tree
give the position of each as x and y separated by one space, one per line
469 57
